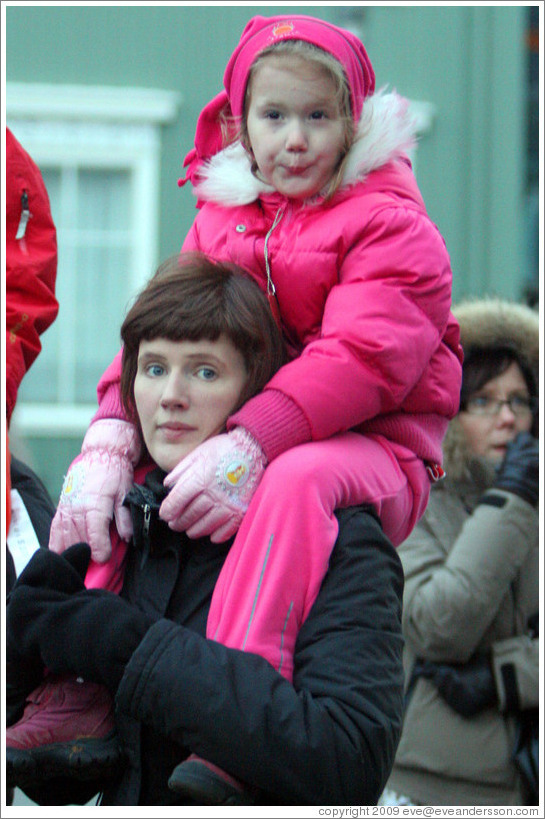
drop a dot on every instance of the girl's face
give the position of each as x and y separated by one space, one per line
295 126
489 434
184 392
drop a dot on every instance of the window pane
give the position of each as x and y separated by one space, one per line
104 201
92 215
52 181
102 292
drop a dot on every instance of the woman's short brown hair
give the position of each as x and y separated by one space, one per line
192 297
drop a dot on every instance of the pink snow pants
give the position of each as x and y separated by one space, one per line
275 567
279 558
108 575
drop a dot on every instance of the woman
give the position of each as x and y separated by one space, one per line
327 737
471 569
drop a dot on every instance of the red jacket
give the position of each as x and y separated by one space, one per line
31 265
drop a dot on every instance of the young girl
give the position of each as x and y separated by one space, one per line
302 178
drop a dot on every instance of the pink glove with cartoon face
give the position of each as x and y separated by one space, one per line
94 489
211 488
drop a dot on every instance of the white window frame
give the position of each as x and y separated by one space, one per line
94 127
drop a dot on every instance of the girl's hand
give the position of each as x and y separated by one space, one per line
94 489
210 490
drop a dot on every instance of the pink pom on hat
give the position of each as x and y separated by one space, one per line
260 33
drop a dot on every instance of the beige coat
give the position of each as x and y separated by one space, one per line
472 577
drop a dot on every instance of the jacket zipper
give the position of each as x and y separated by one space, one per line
25 216
271 289
147 518
145 534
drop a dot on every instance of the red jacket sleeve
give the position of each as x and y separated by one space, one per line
31 265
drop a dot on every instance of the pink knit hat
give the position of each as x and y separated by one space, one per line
259 34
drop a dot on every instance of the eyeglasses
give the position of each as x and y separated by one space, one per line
520 405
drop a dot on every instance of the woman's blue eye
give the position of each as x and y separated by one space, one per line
206 373
155 370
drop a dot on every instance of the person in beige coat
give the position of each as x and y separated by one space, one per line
472 580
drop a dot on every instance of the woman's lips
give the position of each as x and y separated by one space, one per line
173 430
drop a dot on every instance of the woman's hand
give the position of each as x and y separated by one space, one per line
519 472
468 689
24 670
92 633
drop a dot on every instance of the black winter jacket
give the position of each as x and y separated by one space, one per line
327 739
38 504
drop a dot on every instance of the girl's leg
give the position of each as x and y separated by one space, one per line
276 565
108 575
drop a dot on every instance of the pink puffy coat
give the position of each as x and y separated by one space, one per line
363 283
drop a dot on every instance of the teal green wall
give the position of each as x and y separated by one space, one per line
469 61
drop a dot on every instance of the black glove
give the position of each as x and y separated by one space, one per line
65 572
519 472
91 632
468 689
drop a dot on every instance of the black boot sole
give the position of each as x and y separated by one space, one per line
82 759
203 787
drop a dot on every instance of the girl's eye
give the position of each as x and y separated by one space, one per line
318 115
272 115
206 373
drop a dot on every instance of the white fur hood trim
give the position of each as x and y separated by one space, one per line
386 130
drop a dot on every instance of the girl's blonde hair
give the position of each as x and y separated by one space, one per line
311 53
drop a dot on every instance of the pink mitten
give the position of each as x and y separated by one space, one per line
210 490
94 489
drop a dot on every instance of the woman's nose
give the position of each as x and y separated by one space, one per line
506 414
175 391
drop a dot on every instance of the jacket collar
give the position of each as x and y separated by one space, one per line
386 131
151 535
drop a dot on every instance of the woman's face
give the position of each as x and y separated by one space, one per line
184 392
489 434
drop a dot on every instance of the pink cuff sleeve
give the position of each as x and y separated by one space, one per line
109 392
274 420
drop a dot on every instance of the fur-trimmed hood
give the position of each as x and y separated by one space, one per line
493 322
489 323
386 131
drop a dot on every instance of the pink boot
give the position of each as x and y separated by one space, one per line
67 729
206 784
